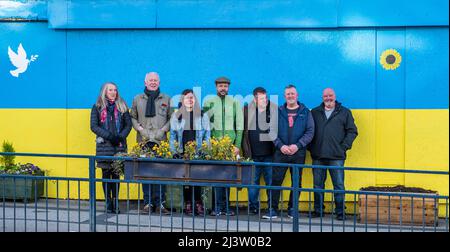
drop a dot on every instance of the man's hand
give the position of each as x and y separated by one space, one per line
293 148
285 150
236 151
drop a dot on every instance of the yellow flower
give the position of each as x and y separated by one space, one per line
390 59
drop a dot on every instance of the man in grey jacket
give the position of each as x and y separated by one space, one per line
150 115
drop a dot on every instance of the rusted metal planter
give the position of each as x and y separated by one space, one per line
219 173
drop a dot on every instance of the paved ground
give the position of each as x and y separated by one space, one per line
73 216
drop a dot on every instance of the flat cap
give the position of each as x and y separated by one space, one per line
222 80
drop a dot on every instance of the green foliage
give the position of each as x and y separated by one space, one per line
8 165
118 165
7 161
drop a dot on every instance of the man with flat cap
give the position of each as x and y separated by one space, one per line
227 119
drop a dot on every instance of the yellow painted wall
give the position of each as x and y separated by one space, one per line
403 139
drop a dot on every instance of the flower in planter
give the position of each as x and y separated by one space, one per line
141 150
190 151
22 169
117 165
162 150
221 149
8 166
30 169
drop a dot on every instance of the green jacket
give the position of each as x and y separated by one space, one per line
226 118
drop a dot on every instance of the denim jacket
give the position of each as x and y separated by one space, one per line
177 128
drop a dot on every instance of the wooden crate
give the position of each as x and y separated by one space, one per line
390 210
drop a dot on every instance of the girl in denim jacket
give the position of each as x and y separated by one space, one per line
186 125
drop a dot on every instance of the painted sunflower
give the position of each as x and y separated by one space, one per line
390 59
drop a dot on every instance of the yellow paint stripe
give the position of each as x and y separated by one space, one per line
413 139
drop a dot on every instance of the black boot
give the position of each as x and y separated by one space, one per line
109 206
115 208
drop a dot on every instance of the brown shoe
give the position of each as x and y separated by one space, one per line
188 208
162 210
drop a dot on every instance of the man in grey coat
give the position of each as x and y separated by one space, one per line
150 115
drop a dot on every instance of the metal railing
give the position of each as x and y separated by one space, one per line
405 211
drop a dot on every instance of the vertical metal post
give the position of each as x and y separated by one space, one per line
92 196
295 198
4 204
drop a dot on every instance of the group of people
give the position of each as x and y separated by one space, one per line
261 130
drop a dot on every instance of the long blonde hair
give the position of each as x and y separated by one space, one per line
102 101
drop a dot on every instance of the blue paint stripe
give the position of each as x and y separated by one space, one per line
311 59
69 14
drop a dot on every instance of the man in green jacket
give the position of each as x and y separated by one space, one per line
227 119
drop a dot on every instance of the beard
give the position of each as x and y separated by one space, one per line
222 93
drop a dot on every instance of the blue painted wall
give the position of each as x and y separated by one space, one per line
246 13
330 46
77 62
228 13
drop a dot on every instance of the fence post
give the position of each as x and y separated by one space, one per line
295 192
92 196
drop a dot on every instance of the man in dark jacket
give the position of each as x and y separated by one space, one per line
295 132
260 125
335 131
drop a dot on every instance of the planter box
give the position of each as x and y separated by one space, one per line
390 210
25 189
231 174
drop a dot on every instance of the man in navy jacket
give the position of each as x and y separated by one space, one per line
295 132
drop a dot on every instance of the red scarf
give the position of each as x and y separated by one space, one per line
104 113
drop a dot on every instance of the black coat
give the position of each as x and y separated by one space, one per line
104 147
333 136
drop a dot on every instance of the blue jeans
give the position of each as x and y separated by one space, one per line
253 193
158 193
221 199
337 177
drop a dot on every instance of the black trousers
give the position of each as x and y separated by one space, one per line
278 174
111 190
187 193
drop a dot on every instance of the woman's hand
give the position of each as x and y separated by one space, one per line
115 140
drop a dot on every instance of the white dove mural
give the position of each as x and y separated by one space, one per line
20 60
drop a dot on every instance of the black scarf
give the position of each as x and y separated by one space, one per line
152 95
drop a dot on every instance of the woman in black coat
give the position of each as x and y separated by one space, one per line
111 123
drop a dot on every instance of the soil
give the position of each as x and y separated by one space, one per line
398 188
